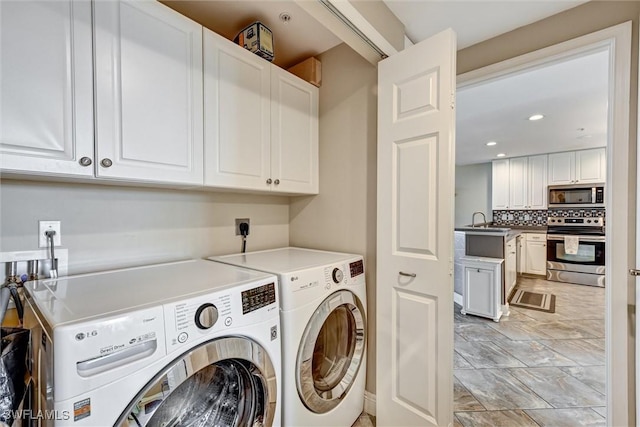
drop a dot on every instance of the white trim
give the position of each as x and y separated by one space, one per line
621 214
370 403
457 298
356 18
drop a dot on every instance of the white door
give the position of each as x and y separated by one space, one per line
294 133
46 87
149 120
237 111
416 119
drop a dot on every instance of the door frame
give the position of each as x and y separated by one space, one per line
621 212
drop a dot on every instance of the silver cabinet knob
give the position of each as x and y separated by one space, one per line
269 181
276 182
85 161
106 163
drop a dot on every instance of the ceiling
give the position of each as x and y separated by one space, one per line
572 95
294 41
473 21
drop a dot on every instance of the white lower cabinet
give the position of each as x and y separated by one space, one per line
510 266
482 287
534 254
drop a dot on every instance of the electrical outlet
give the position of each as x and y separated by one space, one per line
43 226
240 221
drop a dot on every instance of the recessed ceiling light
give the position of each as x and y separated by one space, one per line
501 155
536 117
491 143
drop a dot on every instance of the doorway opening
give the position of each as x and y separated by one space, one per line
535 365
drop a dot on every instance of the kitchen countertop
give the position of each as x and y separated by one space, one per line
501 231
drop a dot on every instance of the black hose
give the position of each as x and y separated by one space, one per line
17 302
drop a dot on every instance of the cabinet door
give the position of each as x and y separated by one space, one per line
518 177
562 168
46 87
500 184
294 133
537 182
479 291
237 115
521 253
510 266
536 257
148 93
591 166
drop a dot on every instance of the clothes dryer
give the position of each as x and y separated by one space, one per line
185 343
324 323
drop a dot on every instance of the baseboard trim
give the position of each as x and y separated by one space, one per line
370 403
457 298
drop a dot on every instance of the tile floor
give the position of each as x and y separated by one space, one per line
533 368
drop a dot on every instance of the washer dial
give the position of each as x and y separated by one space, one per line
337 275
206 316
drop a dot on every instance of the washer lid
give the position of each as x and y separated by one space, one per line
285 260
76 298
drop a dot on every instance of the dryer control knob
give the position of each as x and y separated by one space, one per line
337 275
206 316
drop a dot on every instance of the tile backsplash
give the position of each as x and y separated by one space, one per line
538 218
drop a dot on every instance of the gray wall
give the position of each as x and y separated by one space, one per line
110 227
343 216
473 192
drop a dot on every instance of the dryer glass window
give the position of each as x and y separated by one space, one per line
331 351
334 348
227 382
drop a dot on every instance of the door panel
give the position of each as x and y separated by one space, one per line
148 93
415 234
415 196
410 389
46 87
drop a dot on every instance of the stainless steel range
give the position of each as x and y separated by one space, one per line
576 250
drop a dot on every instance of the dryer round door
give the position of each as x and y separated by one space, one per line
331 351
225 382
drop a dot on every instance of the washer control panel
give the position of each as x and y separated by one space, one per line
198 317
343 274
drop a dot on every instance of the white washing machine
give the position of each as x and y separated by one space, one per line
323 318
186 343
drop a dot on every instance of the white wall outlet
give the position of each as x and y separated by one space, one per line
43 226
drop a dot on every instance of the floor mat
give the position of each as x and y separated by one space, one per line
534 301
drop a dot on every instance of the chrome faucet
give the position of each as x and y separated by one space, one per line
473 218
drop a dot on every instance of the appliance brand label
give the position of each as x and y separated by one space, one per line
81 409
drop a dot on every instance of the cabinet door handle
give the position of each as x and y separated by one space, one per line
106 163
85 161
276 182
402 273
269 181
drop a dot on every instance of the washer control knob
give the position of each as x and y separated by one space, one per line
206 316
337 275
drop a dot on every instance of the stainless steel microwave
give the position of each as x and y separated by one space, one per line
576 196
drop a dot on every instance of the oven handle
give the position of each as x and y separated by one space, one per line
582 238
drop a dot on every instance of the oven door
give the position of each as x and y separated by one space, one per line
590 251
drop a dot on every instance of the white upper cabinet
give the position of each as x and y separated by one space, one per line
578 167
537 182
237 85
520 183
591 166
149 99
294 133
500 184
46 88
261 123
